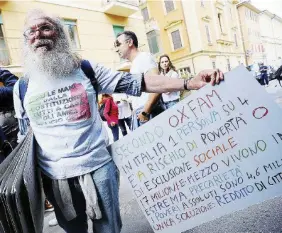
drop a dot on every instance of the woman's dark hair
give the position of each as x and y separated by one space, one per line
105 95
170 66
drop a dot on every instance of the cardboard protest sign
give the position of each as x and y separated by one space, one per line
217 151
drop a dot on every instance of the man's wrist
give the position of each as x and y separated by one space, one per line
186 85
145 114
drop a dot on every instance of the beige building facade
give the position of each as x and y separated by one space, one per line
214 34
271 36
195 34
249 17
91 25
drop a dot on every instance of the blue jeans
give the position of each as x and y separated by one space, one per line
121 123
106 181
264 79
115 132
169 104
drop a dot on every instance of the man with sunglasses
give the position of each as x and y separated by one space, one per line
79 176
147 105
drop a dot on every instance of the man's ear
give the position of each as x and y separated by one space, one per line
130 42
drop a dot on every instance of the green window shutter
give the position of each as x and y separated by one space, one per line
153 42
1 20
69 22
118 29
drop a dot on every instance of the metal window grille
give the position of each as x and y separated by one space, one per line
4 54
145 14
176 39
169 5
71 28
208 34
235 39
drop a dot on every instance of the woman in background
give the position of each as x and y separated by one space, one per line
111 114
166 68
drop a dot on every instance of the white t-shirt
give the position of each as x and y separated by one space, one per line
124 110
142 63
64 117
172 95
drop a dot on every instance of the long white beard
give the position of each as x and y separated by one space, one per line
55 64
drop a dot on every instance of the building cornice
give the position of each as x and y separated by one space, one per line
207 53
79 6
206 18
249 5
172 24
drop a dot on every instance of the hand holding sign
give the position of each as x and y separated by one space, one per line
204 77
213 153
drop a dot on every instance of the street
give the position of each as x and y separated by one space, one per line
265 217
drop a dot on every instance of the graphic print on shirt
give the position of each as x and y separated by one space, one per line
67 104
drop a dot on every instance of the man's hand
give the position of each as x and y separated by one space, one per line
204 77
113 124
142 118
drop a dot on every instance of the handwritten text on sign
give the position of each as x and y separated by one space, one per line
215 152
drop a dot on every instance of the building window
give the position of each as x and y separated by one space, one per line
4 55
118 29
246 13
153 42
235 40
219 16
208 33
176 40
213 65
202 3
71 28
185 72
169 5
228 64
145 14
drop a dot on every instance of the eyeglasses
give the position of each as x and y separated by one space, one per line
117 43
45 30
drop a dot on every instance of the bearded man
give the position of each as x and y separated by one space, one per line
78 173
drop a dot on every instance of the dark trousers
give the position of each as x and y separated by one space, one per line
106 181
264 79
121 123
115 132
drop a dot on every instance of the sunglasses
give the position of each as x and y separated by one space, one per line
117 43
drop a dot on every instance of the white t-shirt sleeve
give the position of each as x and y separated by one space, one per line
20 113
148 62
17 102
107 79
143 63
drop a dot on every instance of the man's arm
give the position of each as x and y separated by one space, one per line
6 92
152 99
162 84
134 84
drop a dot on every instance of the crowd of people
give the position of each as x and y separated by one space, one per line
80 179
119 113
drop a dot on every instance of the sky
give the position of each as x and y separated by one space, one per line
274 6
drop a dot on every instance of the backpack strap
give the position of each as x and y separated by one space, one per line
23 84
90 73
